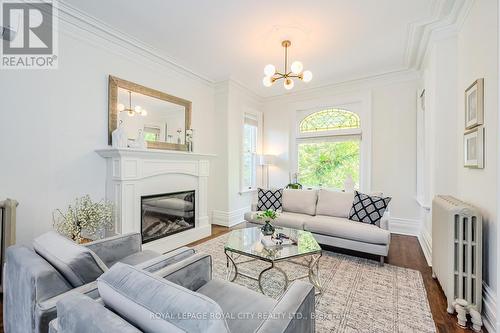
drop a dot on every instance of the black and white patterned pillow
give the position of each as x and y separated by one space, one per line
269 199
368 209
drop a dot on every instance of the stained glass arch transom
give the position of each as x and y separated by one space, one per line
328 120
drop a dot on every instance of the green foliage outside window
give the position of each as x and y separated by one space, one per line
328 163
149 136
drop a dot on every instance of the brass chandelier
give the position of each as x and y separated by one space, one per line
296 71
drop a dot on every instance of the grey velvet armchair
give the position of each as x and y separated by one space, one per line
183 297
34 283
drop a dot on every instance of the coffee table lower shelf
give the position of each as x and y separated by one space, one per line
312 264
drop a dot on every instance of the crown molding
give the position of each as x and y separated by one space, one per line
95 27
367 82
448 15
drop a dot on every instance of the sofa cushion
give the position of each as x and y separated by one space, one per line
368 209
344 228
230 295
334 203
78 264
300 201
269 199
285 219
156 305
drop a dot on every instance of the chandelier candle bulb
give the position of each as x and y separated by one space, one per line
269 70
307 76
289 84
297 67
267 81
296 71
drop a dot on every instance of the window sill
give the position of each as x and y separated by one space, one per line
248 190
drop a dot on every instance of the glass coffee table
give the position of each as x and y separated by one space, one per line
247 243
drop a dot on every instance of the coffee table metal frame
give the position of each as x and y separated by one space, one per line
312 264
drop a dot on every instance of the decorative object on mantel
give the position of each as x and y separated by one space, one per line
141 140
296 71
268 216
119 137
189 139
474 148
160 106
179 132
474 104
84 220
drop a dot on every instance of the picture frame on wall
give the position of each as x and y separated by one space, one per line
474 104
474 148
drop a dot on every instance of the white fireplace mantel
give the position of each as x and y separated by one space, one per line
133 173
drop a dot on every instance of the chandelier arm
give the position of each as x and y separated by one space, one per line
286 59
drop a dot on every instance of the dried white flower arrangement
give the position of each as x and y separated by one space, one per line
84 218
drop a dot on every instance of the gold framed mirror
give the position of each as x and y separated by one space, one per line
163 119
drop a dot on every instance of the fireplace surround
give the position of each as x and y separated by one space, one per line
132 174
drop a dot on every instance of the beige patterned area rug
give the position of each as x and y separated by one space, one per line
358 295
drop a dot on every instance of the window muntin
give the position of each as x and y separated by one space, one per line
249 170
328 120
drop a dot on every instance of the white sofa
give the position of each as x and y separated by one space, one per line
325 214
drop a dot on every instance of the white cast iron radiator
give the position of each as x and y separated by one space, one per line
457 250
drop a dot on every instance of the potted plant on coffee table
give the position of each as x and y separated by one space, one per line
268 216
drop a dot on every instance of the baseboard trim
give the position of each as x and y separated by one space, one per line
489 309
229 219
425 240
404 226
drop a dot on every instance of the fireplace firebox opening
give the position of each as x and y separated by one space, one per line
166 214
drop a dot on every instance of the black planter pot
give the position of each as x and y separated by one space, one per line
267 229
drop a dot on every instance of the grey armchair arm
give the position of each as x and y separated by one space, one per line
46 309
191 273
78 313
294 311
112 249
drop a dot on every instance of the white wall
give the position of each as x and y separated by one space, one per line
232 102
455 59
478 58
392 105
53 120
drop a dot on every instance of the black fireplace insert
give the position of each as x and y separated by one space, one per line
166 214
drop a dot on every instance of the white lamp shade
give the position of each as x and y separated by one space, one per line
267 159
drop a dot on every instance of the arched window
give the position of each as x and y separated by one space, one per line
328 148
329 119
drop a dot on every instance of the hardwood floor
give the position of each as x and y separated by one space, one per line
405 251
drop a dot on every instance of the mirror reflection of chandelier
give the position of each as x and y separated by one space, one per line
296 71
132 112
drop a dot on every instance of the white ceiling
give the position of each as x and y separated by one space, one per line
337 40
